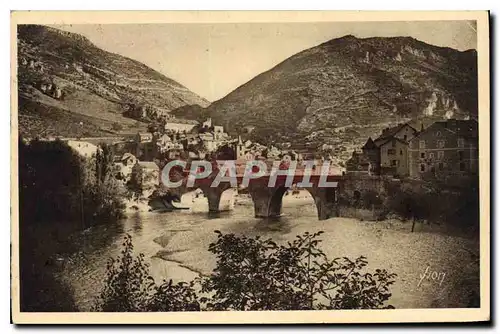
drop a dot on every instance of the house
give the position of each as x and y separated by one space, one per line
359 163
144 137
128 160
123 168
218 129
403 131
208 140
145 176
83 148
388 153
445 149
180 125
372 153
145 148
273 152
394 157
164 143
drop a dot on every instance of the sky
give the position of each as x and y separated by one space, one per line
214 59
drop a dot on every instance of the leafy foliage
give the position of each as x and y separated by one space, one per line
436 202
130 288
251 274
255 274
129 285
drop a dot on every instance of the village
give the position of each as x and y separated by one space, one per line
445 150
176 182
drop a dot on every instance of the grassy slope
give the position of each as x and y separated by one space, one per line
96 84
321 92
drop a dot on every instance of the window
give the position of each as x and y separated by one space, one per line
431 155
462 166
440 143
438 134
441 166
400 152
422 167
405 137
391 151
461 155
393 143
461 142
394 163
422 155
440 155
421 144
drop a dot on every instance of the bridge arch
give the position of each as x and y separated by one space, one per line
268 202
211 196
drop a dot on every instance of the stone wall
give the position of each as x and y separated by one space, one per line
352 186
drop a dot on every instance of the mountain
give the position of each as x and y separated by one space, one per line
70 87
343 91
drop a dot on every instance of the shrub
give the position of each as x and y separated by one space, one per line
255 274
130 288
251 274
128 283
457 206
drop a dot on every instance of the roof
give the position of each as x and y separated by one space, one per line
182 121
206 135
369 144
384 141
358 159
145 134
390 132
126 156
463 128
148 164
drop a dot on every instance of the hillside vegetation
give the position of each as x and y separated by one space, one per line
347 89
88 88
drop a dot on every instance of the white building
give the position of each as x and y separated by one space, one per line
178 125
83 148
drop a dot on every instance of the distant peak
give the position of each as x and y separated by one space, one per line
347 38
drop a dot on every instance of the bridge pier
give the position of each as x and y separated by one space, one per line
213 195
326 202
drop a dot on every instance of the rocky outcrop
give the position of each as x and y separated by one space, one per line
350 83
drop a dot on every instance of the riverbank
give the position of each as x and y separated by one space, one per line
389 245
176 246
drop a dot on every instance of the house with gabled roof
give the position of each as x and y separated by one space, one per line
388 153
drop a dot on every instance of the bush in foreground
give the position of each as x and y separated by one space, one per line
251 274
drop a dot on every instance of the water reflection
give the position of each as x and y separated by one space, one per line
137 223
152 235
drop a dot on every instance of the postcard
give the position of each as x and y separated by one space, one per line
250 167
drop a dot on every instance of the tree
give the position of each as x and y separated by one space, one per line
128 283
410 204
255 274
250 274
129 287
104 162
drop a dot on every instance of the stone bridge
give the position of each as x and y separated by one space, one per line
267 199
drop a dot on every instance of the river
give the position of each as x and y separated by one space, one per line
176 246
